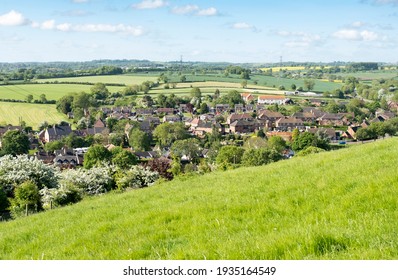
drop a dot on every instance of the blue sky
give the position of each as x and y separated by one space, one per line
220 30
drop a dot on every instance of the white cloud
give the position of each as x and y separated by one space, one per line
184 10
358 24
356 35
381 2
80 1
90 28
150 4
299 39
242 25
208 12
13 18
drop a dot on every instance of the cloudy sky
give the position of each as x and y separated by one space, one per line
218 30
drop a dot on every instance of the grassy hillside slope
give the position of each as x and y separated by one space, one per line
334 205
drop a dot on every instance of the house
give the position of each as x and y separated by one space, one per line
268 115
144 111
222 108
171 118
288 124
338 119
242 126
317 102
207 127
239 108
247 97
271 99
234 117
9 127
166 111
67 158
57 132
307 117
99 123
351 132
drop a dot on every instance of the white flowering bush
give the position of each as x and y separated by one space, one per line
17 170
93 181
66 194
136 177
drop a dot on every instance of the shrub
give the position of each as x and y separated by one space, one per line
66 194
310 150
162 166
26 197
16 170
3 200
136 177
94 181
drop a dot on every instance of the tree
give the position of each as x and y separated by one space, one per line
167 133
15 142
96 155
139 140
309 84
147 101
161 166
204 108
130 90
122 158
277 143
257 157
43 98
29 98
230 155
99 91
26 197
183 79
293 87
187 147
216 94
244 83
110 123
232 97
3 200
64 104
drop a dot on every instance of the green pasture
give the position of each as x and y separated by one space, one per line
32 114
52 91
111 79
335 205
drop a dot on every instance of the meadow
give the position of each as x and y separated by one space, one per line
334 205
32 114
127 79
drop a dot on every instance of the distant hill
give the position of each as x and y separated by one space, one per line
333 205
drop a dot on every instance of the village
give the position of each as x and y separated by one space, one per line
256 113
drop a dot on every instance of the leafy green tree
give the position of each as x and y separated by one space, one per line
64 104
53 145
110 123
204 108
257 157
130 90
230 155
277 143
43 98
139 140
15 142
167 133
232 97
26 196
96 155
187 147
309 84
123 158
293 86
29 98
244 83
99 91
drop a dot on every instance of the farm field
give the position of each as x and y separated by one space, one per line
320 86
32 114
373 75
52 91
115 79
334 205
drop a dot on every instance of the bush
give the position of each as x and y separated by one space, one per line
26 196
136 177
162 166
66 194
310 150
3 200
94 181
17 170
257 157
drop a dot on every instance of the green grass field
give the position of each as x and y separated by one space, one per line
52 91
372 75
32 114
334 205
111 79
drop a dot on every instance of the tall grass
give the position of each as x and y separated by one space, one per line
334 205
